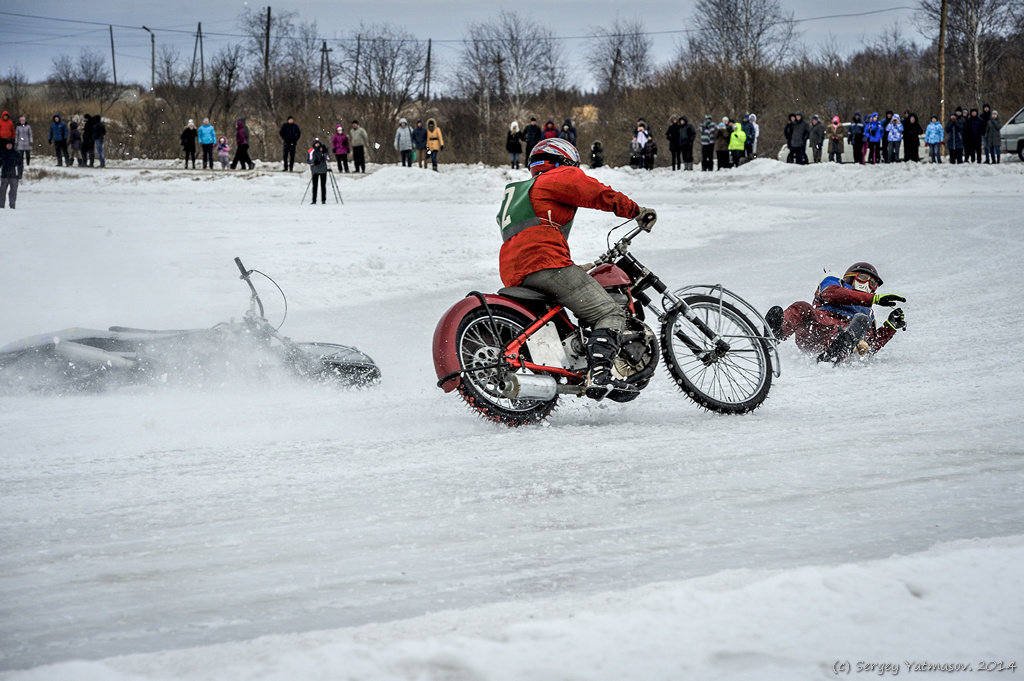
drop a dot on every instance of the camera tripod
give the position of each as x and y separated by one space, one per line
334 186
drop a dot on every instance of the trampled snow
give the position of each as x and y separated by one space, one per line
249 529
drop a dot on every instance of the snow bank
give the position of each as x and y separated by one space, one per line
960 603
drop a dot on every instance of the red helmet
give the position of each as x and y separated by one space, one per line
861 268
551 153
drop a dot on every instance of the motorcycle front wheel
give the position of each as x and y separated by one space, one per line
480 342
731 382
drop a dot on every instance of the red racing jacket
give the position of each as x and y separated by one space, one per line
554 196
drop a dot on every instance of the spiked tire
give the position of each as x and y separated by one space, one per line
730 382
480 342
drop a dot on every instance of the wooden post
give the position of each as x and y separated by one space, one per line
942 63
113 62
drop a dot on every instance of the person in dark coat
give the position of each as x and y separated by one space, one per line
99 137
816 135
974 132
672 135
955 139
912 132
531 135
787 132
855 136
75 144
319 159
514 144
799 134
242 148
419 145
59 139
687 136
89 140
750 131
11 169
188 142
291 134
707 144
986 116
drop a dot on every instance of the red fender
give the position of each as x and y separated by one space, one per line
446 360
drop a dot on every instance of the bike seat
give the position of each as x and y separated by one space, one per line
524 293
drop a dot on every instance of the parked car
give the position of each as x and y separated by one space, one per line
1013 135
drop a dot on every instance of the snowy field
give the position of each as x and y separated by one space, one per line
866 514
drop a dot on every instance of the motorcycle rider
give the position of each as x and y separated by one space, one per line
840 319
535 218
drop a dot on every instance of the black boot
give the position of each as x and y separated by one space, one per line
846 341
774 319
602 347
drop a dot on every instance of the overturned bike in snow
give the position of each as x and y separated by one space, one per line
512 354
78 359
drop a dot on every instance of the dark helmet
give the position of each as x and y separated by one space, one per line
551 153
861 268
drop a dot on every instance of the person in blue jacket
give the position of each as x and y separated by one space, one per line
933 137
840 319
207 139
59 140
894 133
873 133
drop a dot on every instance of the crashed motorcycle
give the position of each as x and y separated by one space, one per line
77 359
512 354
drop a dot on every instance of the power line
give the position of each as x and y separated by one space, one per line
449 40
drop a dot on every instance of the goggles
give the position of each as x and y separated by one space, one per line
864 278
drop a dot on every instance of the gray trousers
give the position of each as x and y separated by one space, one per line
8 184
578 291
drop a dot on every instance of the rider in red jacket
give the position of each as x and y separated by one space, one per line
841 317
535 219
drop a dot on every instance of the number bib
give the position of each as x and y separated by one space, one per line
516 213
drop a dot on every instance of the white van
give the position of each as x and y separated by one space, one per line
1013 135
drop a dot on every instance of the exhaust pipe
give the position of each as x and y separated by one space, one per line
528 387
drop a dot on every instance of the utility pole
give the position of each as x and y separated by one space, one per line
426 72
942 63
202 63
323 52
195 52
330 78
152 63
355 79
113 63
266 49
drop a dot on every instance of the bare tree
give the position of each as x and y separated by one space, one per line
170 71
974 32
620 57
742 37
86 78
384 64
508 60
15 88
225 78
269 35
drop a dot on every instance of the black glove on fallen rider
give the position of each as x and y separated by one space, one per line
646 218
897 320
888 299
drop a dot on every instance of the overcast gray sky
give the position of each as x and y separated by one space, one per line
63 27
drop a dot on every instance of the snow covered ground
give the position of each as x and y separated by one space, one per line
872 513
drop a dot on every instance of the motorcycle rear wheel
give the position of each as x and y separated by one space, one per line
480 342
735 383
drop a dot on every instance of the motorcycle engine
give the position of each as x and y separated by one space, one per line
637 359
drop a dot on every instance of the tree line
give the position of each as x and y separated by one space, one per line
739 56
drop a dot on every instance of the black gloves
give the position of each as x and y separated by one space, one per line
888 299
646 218
897 320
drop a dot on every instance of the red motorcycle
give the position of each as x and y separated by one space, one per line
511 355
